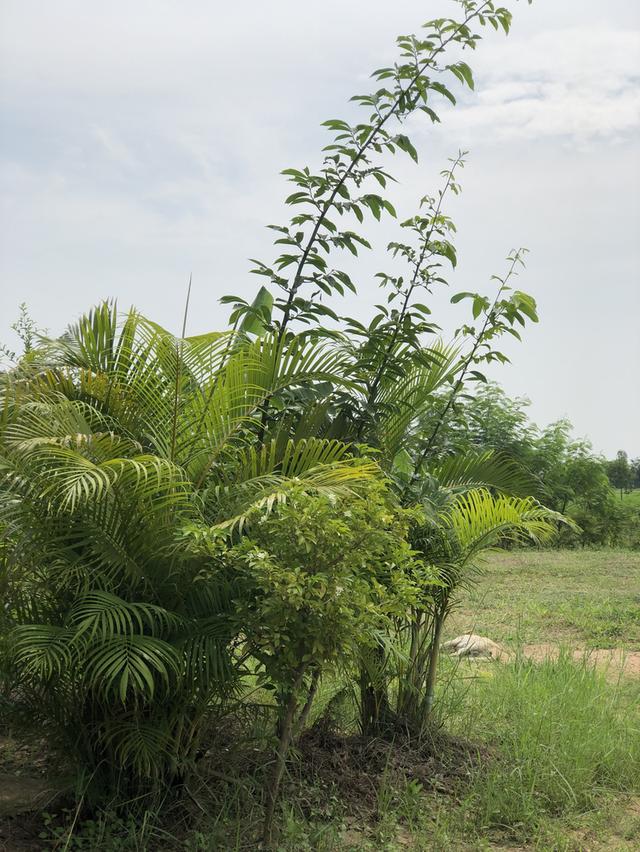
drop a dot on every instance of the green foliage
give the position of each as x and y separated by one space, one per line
317 579
454 541
108 831
621 472
27 331
120 631
352 167
564 473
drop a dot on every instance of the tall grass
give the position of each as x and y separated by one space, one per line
562 737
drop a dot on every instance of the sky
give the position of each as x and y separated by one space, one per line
142 142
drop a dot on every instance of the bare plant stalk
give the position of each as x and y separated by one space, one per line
179 352
433 662
304 715
286 735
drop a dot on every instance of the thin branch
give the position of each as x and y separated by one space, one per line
466 364
414 283
179 352
298 277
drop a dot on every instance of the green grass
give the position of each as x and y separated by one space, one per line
631 498
583 598
566 740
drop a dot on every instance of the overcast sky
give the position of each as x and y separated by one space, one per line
142 141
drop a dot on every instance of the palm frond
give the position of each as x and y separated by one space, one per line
263 494
143 745
42 650
134 665
479 521
403 400
488 469
99 615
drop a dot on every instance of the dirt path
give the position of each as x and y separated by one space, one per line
615 659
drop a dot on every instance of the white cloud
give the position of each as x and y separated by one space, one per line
113 146
578 84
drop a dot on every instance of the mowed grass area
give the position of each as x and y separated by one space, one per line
581 598
631 498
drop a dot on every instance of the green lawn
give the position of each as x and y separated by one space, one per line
632 498
579 597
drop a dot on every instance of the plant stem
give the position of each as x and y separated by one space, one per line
433 662
179 351
413 284
304 715
490 316
284 741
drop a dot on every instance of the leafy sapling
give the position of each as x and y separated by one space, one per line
352 177
28 332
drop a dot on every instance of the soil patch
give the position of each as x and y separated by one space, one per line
615 660
358 767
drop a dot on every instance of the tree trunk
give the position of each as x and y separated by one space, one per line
375 710
304 715
433 664
286 735
409 686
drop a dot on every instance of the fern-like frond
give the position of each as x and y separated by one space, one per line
142 745
263 494
479 521
488 469
292 459
403 400
99 615
43 651
134 665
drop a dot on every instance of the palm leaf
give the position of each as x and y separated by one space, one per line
489 469
133 665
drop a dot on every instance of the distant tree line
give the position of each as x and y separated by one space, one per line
624 473
572 478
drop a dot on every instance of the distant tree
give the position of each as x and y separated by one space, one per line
571 478
496 421
621 473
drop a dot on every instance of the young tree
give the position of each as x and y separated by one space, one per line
28 332
621 472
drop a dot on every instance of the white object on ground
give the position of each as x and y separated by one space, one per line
471 645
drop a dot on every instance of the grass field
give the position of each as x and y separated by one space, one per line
631 498
579 597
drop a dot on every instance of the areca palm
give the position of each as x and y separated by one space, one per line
464 523
121 448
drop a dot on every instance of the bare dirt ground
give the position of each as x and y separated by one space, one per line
614 660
